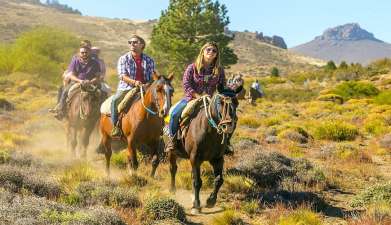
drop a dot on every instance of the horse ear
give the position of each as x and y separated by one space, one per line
155 75
170 76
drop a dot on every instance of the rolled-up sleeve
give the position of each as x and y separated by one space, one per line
121 67
188 82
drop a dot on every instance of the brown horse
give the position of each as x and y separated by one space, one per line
82 116
141 124
253 95
206 140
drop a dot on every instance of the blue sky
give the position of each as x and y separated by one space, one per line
297 21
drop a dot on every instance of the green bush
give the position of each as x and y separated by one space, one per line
355 89
384 98
290 95
336 131
163 208
41 51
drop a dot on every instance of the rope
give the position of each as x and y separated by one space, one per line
142 102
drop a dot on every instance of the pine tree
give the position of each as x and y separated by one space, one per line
275 72
183 28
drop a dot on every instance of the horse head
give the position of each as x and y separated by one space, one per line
224 104
90 97
162 92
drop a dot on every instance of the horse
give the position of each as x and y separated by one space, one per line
253 95
141 124
205 139
82 115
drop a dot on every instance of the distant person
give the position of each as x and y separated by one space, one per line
256 86
135 68
84 70
95 54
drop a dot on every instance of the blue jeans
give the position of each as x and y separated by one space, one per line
175 116
119 95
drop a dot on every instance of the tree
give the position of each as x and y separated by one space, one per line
343 65
183 28
330 65
275 72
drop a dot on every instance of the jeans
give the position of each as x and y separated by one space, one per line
175 116
119 95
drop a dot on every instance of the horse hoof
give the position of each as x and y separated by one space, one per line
196 211
210 202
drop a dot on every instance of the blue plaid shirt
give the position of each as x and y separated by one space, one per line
127 66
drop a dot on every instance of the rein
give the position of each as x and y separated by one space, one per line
150 111
222 119
91 88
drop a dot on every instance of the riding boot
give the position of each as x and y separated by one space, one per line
171 143
60 108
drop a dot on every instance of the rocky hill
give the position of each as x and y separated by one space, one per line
348 43
111 34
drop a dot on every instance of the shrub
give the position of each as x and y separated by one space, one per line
355 89
80 172
336 131
373 194
119 159
93 193
42 51
238 184
301 216
19 179
252 207
228 217
384 98
331 97
290 94
160 208
249 121
19 209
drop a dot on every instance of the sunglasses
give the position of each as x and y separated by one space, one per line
211 50
134 42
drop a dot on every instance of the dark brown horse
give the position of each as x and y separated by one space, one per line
253 95
82 115
141 124
206 140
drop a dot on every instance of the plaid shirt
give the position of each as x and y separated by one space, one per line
127 66
202 83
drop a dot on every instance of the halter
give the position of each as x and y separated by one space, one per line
85 89
150 111
227 103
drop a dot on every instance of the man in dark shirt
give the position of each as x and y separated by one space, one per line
84 70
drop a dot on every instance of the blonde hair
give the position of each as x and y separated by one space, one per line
199 63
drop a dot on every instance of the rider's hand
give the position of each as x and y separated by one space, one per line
137 83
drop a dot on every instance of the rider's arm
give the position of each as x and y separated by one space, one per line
188 82
73 77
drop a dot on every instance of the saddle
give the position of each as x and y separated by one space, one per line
123 106
188 114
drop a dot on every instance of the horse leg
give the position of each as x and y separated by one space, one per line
72 140
106 142
173 169
197 183
156 146
132 157
86 133
218 173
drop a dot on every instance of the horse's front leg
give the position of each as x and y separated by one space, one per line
197 184
173 169
132 157
156 148
217 165
86 133
71 139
